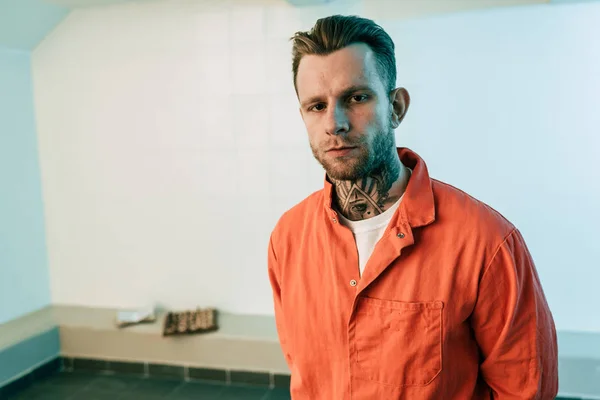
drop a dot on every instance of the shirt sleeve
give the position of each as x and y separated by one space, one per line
514 328
276 288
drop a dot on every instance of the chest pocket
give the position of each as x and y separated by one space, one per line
397 343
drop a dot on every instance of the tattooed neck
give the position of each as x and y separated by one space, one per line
372 195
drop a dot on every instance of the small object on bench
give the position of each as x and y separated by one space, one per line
186 322
126 318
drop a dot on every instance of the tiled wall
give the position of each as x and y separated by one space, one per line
171 142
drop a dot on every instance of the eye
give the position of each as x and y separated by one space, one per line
317 107
359 98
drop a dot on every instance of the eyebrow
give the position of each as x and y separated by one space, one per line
345 93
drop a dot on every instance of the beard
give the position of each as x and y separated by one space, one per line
361 162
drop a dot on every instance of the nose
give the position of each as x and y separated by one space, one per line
337 121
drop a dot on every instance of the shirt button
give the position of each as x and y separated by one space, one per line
352 282
400 235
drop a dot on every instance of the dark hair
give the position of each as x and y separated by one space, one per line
338 31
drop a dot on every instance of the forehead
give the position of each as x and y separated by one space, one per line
322 75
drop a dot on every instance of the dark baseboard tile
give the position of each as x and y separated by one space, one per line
176 372
48 369
252 378
126 367
93 365
43 371
85 364
67 363
207 374
166 371
281 381
16 386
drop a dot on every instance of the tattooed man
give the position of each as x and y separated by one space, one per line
387 283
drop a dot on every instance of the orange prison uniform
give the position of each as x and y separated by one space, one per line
450 305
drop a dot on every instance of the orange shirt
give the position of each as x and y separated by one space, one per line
450 305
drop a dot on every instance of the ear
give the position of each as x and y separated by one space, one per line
400 100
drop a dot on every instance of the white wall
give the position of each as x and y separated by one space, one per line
505 106
171 142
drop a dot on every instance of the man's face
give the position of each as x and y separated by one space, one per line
344 104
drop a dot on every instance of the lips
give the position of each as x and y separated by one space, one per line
341 148
340 151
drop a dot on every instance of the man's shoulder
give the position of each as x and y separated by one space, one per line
291 220
468 212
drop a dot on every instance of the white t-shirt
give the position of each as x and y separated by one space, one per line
368 232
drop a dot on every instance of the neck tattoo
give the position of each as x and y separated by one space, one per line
369 196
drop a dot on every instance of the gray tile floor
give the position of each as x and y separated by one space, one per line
90 386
